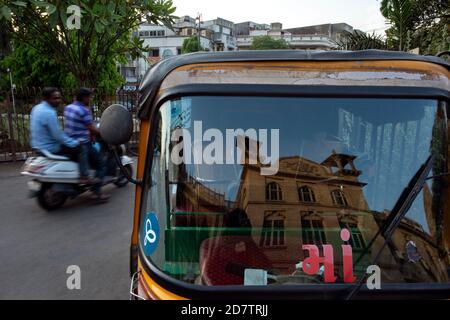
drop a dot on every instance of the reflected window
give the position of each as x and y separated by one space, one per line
339 198
272 233
312 230
356 237
273 192
306 194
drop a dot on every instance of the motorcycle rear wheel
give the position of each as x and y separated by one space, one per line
49 199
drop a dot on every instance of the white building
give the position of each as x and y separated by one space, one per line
223 38
163 42
317 41
223 35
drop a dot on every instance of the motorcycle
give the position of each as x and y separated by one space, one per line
55 178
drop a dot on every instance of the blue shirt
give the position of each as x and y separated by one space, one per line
77 117
45 129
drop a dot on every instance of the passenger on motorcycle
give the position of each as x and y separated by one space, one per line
79 125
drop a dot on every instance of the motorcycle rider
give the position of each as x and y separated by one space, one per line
45 129
79 125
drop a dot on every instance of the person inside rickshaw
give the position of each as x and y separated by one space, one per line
224 259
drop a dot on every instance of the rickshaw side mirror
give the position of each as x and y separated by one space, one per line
116 125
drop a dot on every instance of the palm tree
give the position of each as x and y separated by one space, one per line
359 40
399 15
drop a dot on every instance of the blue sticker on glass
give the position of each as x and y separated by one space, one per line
150 233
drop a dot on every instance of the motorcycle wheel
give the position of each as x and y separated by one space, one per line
49 199
122 181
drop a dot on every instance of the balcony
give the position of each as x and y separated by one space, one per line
296 41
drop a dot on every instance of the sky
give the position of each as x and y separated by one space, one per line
361 14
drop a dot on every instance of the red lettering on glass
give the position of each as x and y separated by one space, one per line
311 264
347 254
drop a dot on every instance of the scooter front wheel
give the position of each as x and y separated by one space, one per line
49 199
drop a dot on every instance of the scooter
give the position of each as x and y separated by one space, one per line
56 178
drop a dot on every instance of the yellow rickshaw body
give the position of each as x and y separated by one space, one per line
366 69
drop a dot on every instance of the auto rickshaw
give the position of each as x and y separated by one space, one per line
291 175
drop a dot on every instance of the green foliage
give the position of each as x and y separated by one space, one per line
427 12
91 52
399 13
5 49
191 44
433 39
431 26
358 40
32 68
268 43
423 24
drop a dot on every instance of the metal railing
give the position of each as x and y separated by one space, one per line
15 119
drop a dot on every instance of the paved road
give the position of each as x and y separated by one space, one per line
36 247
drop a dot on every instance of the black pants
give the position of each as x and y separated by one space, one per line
86 155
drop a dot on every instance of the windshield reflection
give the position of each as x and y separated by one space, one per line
225 219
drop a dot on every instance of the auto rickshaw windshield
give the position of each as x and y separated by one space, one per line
243 188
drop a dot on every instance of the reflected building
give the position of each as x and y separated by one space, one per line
310 203
307 203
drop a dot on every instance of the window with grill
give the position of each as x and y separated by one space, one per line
272 234
313 231
306 194
339 198
273 192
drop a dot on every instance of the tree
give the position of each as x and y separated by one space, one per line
268 43
431 26
92 49
423 24
31 68
5 50
399 14
358 40
427 12
191 44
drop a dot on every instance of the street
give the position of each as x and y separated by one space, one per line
36 247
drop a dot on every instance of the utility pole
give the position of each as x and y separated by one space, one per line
199 20
13 86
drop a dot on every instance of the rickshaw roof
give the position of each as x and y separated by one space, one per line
156 75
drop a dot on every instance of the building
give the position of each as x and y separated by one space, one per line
296 38
334 31
244 28
163 42
304 203
222 35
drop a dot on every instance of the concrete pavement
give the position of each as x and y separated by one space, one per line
36 247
